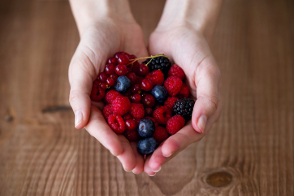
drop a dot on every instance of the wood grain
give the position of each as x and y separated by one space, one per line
42 154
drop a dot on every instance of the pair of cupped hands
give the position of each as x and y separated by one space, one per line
184 46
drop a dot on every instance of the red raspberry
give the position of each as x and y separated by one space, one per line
170 102
97 93
185 92
131 135
111 96
107 111
154 121
174 124
127 116
156 77
162 114
160 134
117 123
175 70
173 85
137 110
121 105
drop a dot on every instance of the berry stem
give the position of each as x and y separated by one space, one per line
152 57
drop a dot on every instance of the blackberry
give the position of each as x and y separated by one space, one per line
160 62
184 107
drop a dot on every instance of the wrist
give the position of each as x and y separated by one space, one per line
89 13
198 15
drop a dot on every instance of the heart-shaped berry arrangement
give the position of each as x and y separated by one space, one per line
146 102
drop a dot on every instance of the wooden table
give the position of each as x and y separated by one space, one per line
249 151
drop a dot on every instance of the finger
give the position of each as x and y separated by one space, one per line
171 147
98 128
82 73
139 168
147 169
207 80
127 158
180 140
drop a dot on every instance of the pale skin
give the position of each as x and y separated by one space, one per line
183 34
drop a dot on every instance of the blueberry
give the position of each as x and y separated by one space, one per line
160 93
122 84
146 127
147 146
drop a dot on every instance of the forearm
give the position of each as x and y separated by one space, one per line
200 15
89 12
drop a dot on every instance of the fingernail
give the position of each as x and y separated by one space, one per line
158 170
78 118
202 123
152 174
126 170
168 155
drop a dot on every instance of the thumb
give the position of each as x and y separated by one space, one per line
207 106
81 74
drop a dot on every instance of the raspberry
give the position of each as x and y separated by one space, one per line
97 93
174 124
184 93
137 110
111 96
117 123
184 107
155 123
175 70
131 135
156 77
162 114
170 102
173 85
160 134
121 105
160 62
107 111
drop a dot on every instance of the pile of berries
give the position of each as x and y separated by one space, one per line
146 102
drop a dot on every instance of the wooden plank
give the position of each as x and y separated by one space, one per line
42 154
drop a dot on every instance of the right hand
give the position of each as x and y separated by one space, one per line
98 43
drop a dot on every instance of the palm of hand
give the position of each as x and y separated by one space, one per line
189 50
98 44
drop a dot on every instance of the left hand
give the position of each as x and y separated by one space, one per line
188 49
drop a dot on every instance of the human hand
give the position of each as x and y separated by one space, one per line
189 49
99 41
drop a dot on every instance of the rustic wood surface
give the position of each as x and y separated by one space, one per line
248 152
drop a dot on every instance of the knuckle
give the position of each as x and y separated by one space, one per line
73 97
